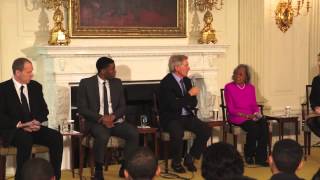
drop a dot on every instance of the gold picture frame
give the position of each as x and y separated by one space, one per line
127 18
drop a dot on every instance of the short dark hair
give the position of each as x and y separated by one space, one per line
142 165
103 62
18 64
221 161
247 71
37 169
287 155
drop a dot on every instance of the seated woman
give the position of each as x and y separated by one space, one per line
243 111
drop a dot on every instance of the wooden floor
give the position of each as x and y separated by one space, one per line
309 168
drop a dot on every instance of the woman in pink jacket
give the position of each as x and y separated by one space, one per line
243 111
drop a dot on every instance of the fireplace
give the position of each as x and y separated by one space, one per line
57 66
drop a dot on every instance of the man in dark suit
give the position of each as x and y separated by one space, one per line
101 101
314 122
22 110
177 100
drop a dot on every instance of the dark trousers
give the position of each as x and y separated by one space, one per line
176 130
102 134
314 125
256 139
45 136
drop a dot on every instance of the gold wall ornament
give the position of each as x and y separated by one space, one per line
208 33
58 35
285 12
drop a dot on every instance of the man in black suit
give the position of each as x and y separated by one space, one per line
177 100
22 110
314 122
101 101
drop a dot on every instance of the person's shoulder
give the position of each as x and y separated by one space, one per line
229 85
5 83
88 79
35 83
284 176
167 78
316 78
250 85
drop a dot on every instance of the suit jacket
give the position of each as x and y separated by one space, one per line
315 92
89 99
171 99
11 109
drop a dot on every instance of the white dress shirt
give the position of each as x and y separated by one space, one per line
17 86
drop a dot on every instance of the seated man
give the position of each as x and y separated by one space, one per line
101 101
22 110
37 169
285 160
142 165
177 99
222 161
314 123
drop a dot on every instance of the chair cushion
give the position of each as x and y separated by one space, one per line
10 150
165 136
114 142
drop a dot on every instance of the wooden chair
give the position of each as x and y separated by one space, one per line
235 131
87 142
12 151
165 136
307 113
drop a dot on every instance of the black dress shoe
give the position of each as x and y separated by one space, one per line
249 160
98 175
177 167
121 172
188 162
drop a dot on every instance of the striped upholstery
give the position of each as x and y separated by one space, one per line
165 136
114 142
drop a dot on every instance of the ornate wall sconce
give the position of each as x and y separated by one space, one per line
58 35
208 33
285 12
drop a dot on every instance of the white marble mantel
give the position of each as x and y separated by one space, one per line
57 66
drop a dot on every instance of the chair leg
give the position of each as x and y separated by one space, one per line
166 156
309 143
305 136
235 140
3 160
91 161
270 143
81 159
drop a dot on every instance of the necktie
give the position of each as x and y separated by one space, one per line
24 104
183 88
105 98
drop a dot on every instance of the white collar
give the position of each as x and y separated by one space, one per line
17 84
101 81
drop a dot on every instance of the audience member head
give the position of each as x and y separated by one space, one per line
221 161
37 169
286 156
241 74
142 165
106 68
179 65
22 70
316 176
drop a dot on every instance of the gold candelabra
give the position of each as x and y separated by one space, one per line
208 33
58 35
285 12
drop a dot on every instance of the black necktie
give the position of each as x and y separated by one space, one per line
105 98
183 88
24 104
